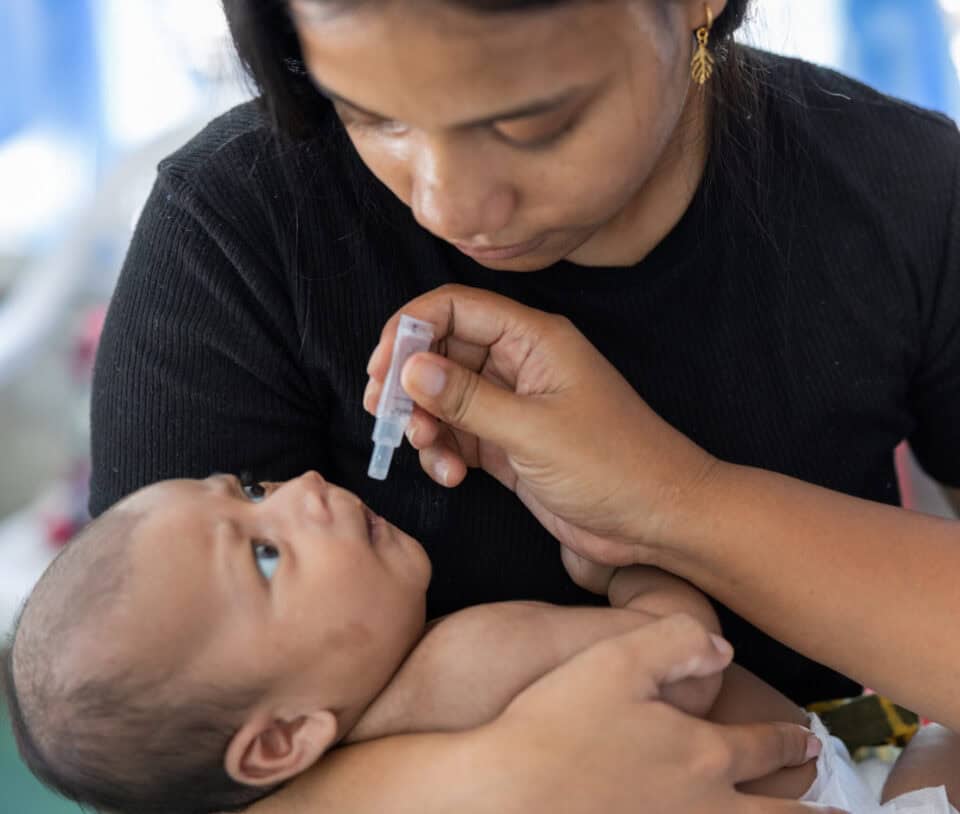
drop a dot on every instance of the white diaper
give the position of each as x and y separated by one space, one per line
839 785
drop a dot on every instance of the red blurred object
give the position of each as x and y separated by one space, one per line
85 347
901 456
60 529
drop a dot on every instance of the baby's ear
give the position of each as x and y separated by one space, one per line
266 751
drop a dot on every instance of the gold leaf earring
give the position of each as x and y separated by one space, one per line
701 66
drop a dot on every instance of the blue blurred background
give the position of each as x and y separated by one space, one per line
94 92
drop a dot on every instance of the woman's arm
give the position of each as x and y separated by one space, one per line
589 736
864 588
870 590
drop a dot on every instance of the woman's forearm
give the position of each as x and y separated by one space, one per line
842 580
409 773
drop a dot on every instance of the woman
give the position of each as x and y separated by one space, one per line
767 257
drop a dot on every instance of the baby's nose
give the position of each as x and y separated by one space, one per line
315 490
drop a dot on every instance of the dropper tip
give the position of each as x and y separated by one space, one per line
380 462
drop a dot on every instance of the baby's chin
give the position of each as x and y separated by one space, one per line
415 555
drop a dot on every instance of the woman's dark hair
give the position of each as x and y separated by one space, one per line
270 53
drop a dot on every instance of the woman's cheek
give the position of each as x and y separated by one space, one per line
389 159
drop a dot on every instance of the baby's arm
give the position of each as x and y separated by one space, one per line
654 594
472 664
657 593
743 698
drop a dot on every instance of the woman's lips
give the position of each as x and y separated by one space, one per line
500 252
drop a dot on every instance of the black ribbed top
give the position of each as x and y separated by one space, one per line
806 329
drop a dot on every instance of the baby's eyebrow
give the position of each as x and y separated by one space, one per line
223 483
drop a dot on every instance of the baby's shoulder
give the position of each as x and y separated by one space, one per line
517 629
489 621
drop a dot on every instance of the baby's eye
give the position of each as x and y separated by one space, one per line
254 490
267 557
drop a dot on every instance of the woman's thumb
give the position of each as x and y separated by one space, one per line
466 400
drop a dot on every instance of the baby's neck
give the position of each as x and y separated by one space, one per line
393 710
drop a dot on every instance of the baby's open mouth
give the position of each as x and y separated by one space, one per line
374 524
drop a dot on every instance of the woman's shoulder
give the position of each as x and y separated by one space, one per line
243 183
832 136
830 114
240 156
238 130
816 95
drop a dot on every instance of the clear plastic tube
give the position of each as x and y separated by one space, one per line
395 406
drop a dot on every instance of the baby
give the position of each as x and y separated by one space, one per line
205 641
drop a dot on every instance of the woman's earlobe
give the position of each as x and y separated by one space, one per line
268 751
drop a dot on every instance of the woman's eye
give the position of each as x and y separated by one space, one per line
538 131
532 140
352 118
267 557
386 126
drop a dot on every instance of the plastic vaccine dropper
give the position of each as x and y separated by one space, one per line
395 406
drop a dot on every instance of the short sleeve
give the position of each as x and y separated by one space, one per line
197 369
935 390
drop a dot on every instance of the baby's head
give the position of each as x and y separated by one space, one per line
204 641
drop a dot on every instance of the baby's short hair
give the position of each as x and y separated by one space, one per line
114 740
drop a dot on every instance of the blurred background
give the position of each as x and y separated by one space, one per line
95 92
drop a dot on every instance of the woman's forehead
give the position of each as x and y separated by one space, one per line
457 65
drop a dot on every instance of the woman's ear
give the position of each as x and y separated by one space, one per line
267 751
697 14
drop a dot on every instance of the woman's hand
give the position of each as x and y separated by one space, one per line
608 697
523 395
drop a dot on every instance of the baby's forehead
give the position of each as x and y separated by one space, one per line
166 489
166 498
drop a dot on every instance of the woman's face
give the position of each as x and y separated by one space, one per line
525 137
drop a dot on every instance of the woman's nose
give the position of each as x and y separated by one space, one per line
457 197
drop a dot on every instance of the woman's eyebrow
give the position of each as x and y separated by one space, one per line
532 108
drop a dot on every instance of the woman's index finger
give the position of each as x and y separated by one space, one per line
470 315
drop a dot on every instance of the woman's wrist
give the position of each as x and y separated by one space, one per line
669 536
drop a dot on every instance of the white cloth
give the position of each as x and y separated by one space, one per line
839 785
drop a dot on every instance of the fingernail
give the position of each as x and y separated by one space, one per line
721 645
427 377
441 471
813 747
366 392
411 433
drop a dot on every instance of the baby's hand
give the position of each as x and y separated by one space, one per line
654 592
587 574
695 696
